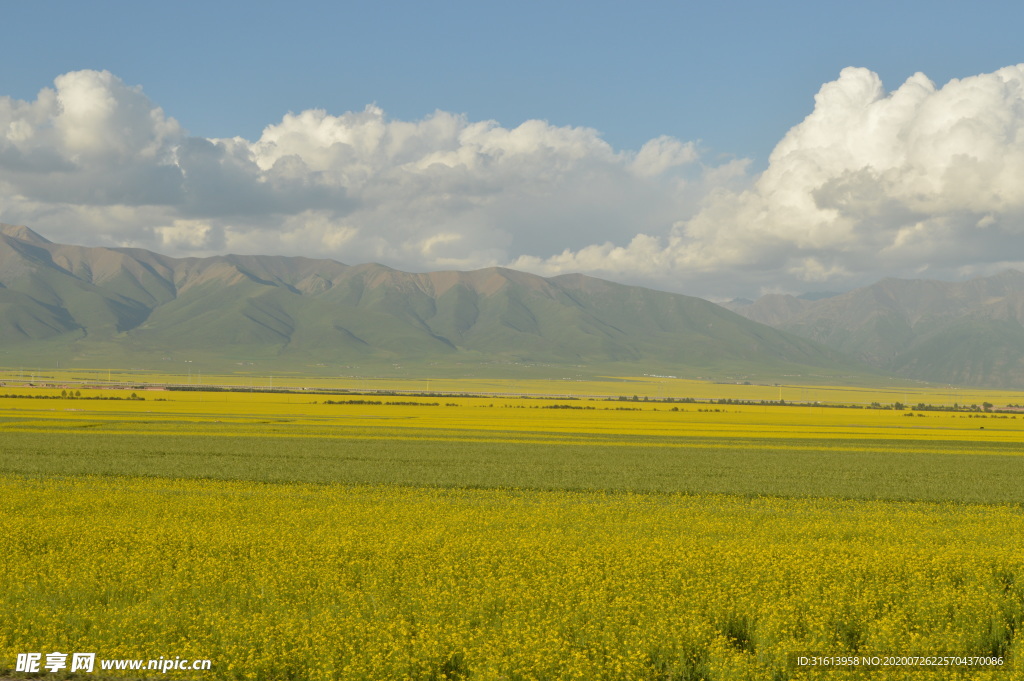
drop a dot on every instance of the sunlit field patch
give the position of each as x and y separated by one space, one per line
308 415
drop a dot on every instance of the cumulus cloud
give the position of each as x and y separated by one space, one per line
93 160
91 140
920 181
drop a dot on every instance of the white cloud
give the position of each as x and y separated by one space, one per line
440 192
91 141
662 153
919 181
922 181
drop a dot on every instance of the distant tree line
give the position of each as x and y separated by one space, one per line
71 395
388 404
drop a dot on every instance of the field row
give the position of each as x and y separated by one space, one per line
579 384
586 420
877 470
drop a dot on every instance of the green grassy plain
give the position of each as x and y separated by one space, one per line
872 469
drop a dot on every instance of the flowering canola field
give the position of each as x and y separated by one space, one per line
478 538
585 420
340 582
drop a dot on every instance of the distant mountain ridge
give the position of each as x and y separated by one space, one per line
969 332
127 303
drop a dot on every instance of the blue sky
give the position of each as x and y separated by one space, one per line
735 75
729 79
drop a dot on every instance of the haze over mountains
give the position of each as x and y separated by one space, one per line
131 305
953 332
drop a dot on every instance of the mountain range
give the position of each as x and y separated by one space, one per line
132 307
967 333
106 307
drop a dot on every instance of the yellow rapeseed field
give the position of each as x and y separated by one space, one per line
301 415
331 581
335 582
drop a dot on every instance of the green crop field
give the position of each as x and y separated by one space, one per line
282 537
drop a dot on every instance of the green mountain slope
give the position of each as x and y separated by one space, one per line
131 305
